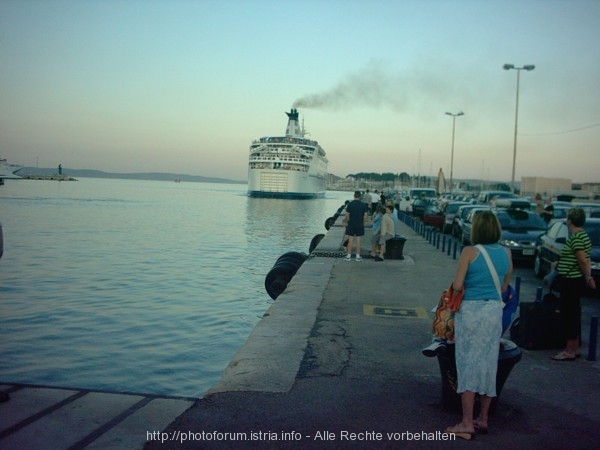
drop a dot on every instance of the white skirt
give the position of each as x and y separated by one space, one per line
477 331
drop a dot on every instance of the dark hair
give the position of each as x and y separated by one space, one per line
576 216
357 194
486 228
381 210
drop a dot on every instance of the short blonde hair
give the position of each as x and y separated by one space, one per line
486 228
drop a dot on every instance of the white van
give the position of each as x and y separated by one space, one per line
485 197
413 193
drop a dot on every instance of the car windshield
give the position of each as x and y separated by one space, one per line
464 212
516 219
453 207
420 193
560 213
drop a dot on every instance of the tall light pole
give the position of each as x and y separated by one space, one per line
518 69
454 116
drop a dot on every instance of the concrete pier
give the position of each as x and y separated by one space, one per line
336 363
55 177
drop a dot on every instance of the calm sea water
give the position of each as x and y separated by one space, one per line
141 286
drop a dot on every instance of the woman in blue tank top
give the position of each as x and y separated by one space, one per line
478 323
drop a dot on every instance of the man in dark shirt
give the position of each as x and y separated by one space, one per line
548 211
356 214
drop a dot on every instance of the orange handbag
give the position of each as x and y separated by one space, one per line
449 303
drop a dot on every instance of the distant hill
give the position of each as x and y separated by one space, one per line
158 176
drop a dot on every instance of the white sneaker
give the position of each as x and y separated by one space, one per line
348 257
434 349
358 258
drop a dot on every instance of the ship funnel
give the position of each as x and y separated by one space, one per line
293 126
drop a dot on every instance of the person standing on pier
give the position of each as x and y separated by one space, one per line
375 229
574 275
548 212
375 201
478 322
386 231
356 215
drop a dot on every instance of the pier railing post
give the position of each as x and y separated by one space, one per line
593 339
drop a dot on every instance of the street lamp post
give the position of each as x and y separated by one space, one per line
454 116
518 69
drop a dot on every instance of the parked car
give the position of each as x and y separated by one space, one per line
433 216
418 206
520 230
448 210
560 213
465 234
460 217
407 197
515 203
485 197
550 244
592 210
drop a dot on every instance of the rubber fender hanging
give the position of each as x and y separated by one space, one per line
294 257
329 222
282 272
315 241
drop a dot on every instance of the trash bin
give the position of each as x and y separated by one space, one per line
394 247
510 354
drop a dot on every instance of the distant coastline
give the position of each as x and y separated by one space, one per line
31 172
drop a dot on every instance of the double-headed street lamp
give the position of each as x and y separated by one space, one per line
518 69
454 116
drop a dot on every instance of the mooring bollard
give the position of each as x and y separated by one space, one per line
593 339
443 243
538 294
454 251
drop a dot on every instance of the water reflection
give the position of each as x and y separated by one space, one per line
288 224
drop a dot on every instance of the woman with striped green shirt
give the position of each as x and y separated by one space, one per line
575 271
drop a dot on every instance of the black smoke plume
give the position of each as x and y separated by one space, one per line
376 87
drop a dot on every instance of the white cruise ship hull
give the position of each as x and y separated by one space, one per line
285 184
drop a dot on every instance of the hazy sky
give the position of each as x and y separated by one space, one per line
184 86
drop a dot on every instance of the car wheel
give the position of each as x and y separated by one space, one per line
537 266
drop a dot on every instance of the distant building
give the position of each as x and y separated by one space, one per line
592 187
544 186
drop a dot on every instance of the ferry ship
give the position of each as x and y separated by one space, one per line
8 170
289 166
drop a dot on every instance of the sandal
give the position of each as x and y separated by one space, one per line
563 356
461 434
479 429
